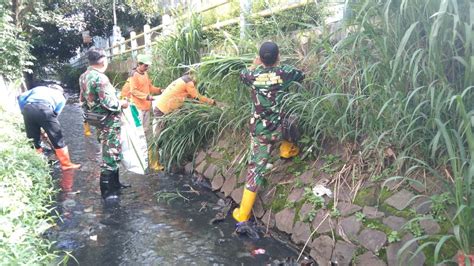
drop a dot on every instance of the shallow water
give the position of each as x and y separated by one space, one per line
140 230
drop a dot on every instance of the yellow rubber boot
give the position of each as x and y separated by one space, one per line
87 129
154 164
288 149
242 214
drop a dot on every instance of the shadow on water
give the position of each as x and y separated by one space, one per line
140 230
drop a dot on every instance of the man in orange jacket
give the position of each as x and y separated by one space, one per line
173 97
140 89
175 94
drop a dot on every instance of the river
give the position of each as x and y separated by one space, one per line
140 229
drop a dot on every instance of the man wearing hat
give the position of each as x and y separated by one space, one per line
268 81
99 97
140 89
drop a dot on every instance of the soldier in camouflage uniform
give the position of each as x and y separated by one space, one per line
268 83
99 96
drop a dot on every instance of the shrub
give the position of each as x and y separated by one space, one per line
26 192
117 79
16 57
69 76
178 51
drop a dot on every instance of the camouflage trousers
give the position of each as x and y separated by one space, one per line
261 148
109 138
146 119
158 125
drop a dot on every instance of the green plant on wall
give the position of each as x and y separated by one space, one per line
393 237
458 138
440 204
311 198
185 134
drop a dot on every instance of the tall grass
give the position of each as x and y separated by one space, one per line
386 83
221 58
382 86
26 191
176 52
457 137
187 129
401 79
195 125
398 78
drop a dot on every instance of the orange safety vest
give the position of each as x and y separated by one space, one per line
137 88
174 95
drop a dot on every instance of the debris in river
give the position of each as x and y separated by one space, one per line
224 208
258 251
247 228
203 206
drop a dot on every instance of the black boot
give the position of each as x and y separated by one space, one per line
117 182
107 188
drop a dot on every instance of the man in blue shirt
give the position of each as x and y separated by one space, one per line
40 107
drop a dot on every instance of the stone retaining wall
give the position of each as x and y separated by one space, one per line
367 228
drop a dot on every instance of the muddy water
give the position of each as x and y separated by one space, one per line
140 230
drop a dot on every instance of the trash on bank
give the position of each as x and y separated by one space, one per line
320 191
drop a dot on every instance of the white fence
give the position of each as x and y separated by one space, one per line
116 45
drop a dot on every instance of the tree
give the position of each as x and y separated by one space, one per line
53 27
14 49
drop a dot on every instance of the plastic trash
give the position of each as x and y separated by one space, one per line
247 228
320 190
258 251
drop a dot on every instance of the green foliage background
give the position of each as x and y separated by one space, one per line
14 48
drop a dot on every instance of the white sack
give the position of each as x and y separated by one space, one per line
132 137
